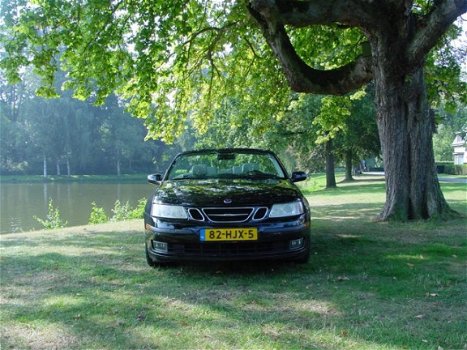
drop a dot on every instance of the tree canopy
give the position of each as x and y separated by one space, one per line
173 60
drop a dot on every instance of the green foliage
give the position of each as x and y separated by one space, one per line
98 215
89 139
120 211
446 84
53 219
169 61
454 169
124 211
449 125
332 117
296 132
336 46
177 60
138 211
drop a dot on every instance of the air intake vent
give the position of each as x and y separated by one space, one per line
228 214
260 213
196 214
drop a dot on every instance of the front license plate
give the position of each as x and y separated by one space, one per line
229 234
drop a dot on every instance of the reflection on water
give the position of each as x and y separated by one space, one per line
19 203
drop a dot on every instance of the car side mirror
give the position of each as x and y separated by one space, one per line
298 176
155 179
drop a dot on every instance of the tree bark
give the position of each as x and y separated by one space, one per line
348 165
330 171
406 125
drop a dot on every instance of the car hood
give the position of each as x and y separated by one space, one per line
241 192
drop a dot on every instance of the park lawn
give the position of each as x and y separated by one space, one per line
368 285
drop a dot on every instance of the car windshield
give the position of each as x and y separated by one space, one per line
221 165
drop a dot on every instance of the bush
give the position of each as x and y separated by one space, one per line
98 215
121 211
441 166
138 212
53 219
455 169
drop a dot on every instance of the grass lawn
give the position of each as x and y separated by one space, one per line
368 285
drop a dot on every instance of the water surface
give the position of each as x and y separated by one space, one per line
20 202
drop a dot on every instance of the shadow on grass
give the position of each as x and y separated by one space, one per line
348 188
351 294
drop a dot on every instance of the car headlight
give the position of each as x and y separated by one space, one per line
168 211
286 209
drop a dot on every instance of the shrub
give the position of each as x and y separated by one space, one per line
138 211
98 215
53 219
441 166
455 169
120 211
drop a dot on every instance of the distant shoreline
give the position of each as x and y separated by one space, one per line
133 178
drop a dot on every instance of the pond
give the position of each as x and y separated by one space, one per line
20 202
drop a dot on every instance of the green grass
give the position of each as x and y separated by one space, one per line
368 285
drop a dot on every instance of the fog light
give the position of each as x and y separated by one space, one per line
296 244
160 247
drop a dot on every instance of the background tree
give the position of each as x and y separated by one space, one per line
449 125
68 136
13 139
360 135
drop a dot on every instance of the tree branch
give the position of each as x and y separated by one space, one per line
301 77
435 24
355 13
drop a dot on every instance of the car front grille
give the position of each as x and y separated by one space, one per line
228 214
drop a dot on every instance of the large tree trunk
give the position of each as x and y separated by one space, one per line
406 125
330 172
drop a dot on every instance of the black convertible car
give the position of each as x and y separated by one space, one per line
226 204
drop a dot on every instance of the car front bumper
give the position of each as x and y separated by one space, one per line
276 240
